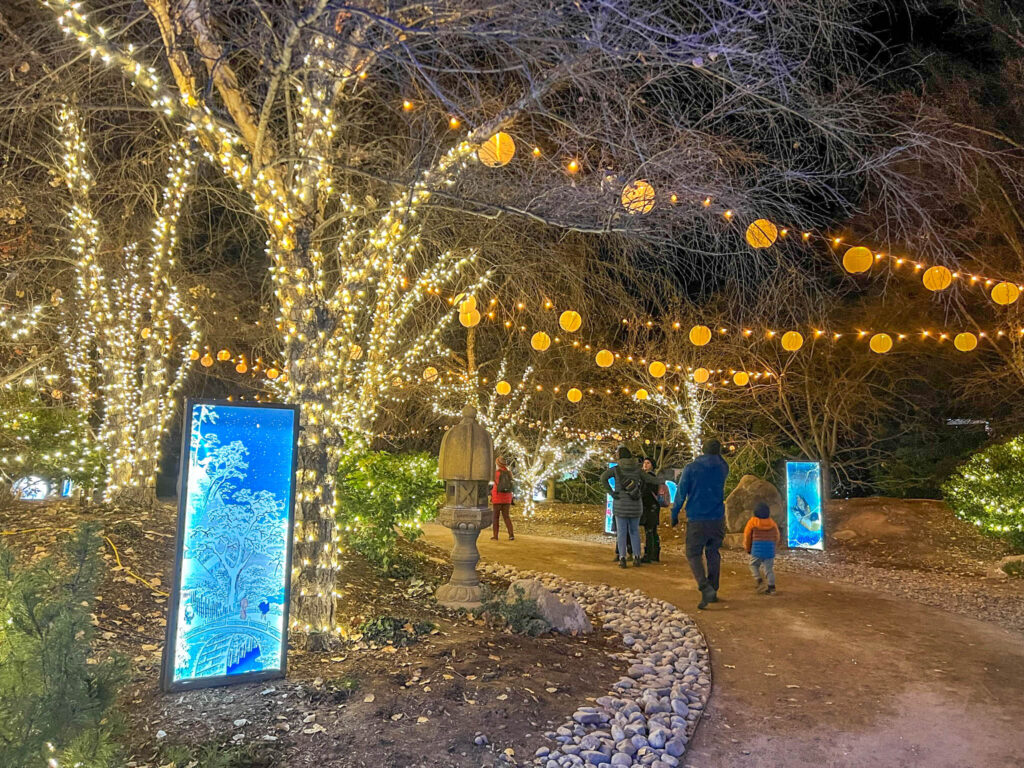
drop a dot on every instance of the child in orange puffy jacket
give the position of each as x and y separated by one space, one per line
759 539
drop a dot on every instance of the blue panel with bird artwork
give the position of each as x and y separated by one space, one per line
803 500
229 610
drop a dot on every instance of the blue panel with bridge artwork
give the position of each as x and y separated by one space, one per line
804 503
229 613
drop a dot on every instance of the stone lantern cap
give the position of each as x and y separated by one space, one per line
466 450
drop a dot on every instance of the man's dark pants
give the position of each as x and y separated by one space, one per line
703 540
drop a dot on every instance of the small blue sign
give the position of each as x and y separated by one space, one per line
804 504
609 515
228 618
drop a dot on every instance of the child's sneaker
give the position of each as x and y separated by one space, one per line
770 590
759 585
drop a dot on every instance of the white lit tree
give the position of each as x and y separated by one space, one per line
127 331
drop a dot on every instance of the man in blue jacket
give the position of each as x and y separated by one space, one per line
702 489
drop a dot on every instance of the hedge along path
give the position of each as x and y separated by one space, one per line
651 714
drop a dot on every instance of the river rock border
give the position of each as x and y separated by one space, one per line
650 715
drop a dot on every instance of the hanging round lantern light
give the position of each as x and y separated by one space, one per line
700 335
937 278
193 354
241 367
762 234
430 373
206 361
638 197
540 341
701 375
503 388
792 341
144 333
223 355
657 369
741 379
641 394
965 342
1005 294
858 259
355 351
880 343
574 395
570 321
273 373
604 359
470 319
497 150
56 394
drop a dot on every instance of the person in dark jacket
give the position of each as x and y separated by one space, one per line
627 504
702 490
651 517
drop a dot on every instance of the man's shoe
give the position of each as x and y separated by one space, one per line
708 594
622 562
637 561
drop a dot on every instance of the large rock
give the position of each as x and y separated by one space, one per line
565 615
749 492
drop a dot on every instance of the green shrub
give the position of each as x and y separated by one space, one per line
988 490
56 700
393 630
520 615
380 495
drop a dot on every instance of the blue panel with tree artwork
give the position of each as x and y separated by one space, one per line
229 610
803 500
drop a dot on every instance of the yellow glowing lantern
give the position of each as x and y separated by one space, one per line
206 361
540 341
741 379
638 197
503 388
430 373
193 354
657 369
858 259
397 382
273 373
242 367
937 278
1005 293
700 335
641 394
881 343
965 342
574 395
570 321
792 341
355 352
762 234
223 355
604 358
470 319
701 375
497 150
144 333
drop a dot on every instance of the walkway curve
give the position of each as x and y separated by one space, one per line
822 675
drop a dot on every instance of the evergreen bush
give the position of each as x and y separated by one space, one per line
988 490
382 495
56 698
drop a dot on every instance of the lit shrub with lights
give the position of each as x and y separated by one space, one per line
988 490
381 496
56 697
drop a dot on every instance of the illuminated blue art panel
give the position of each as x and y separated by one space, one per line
609 515
803 500
229 610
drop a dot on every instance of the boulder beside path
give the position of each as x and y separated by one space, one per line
749 492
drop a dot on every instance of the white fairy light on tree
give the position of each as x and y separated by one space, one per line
127 332
687 413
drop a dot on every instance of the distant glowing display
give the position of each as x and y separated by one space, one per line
609 514
228 617
31 488
803 500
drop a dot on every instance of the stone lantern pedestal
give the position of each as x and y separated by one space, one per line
466 464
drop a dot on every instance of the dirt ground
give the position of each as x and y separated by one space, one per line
823 674
364 703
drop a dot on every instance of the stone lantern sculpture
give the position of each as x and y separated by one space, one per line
466 465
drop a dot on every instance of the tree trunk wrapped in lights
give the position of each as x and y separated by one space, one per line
128 331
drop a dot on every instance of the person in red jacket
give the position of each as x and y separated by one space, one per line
501 497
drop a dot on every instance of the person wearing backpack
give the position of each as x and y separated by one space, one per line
501 497
655 496
627 502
